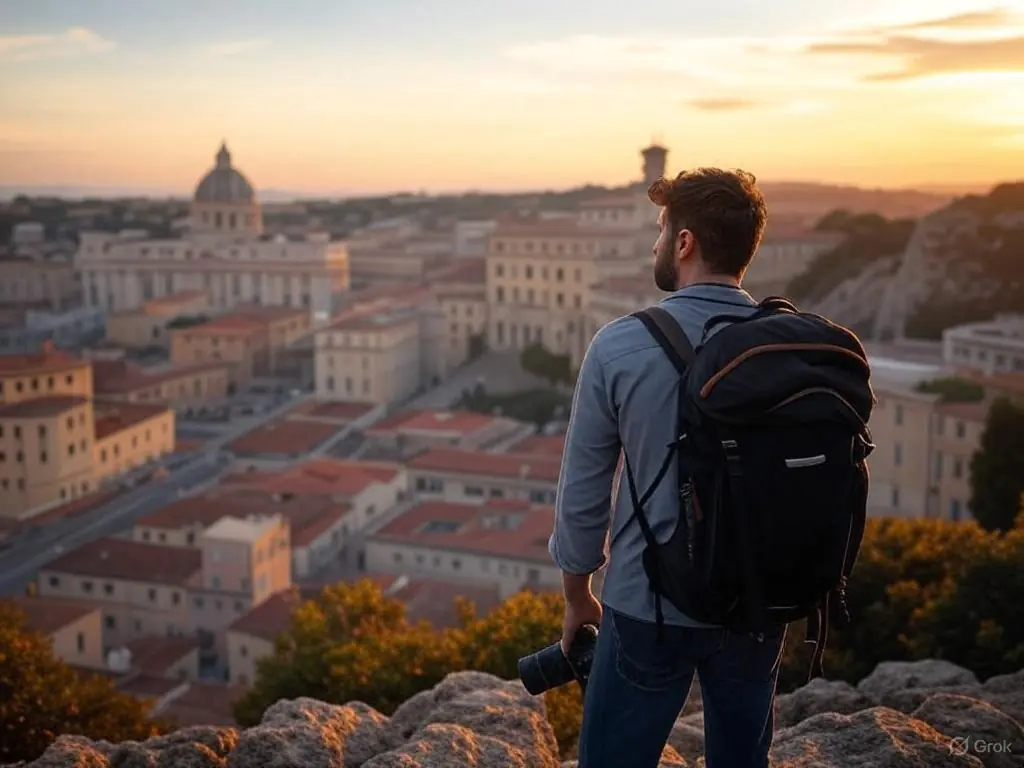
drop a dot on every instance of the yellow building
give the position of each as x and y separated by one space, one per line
371 356
462 295
52 434
147 325
177 386
74 627
538 281
252 339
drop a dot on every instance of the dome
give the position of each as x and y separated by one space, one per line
224 184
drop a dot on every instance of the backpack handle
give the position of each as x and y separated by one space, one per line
766 306
669 335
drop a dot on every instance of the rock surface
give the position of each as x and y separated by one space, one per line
926 713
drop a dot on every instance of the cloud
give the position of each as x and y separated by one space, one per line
993 17
922 57
76 41
721 104
228 48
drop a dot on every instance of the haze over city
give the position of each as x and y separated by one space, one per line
347 97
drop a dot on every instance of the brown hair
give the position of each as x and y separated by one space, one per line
724 210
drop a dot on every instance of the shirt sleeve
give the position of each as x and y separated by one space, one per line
589 462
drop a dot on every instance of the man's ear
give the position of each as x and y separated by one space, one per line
684 243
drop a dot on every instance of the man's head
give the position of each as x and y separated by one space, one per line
711 224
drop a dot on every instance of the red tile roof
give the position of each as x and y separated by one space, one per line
130 561
327 477
335 411
503 465
195 510
540 445
471 271
49 614
203 704
42 407
270 618
148 686
120 377
43 362
244 320
154 655
444 423
112 417
285 437
504 529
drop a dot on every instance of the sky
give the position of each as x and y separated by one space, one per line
323 96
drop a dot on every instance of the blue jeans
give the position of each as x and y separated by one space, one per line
637 689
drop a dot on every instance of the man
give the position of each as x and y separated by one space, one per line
626 399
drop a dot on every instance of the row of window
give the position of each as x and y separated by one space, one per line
531 299
1002 361
35 385
940 423
529 334
504 569
427 484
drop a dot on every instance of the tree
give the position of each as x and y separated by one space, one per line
42 698
538 360
997 470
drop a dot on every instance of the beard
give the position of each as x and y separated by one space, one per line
666 271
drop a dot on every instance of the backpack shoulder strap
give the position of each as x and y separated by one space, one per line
669 335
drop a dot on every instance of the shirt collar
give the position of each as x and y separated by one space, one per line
715 291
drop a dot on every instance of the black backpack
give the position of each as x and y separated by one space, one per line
773 480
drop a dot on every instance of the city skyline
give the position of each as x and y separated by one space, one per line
343 97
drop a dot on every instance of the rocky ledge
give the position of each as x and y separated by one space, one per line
925 713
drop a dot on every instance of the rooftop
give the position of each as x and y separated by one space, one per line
203 511
111 418
503 465
284 437
249 529
145 686
270 618
119 377
503 529
976 412
244 320
50 614
540 445
48 361
336 411
446 423
376 321
41 407
130 561
154 655
203 704
325 477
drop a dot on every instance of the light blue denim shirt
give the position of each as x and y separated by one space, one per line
627 397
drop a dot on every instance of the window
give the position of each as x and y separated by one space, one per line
42 431
955 510
896 497
961 430
80 641
397 557
110 622
54 581
958 468
152 595
456 565
897 454
938 465
108 589
87 587
216 582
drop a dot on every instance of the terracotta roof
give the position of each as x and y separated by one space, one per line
196 510
119 377
469 271
1004 383
282 437
328 477
112 417
42 407
976 412
130 561
49 614
540 445
503 465
518 531
204 704
310 519
337 411
43 362
270 618
154 655
375 321
447 423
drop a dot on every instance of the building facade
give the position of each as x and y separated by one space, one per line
223 254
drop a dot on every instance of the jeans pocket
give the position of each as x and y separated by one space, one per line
644 662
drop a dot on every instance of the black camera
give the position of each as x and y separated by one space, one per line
550 668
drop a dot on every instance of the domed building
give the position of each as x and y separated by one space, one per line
223 255
225 200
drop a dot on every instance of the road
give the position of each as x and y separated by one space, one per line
29 551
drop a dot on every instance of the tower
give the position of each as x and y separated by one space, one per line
654 162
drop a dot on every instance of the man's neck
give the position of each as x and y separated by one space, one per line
705 279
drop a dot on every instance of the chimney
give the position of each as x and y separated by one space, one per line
48 348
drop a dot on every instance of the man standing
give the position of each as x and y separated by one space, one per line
626 398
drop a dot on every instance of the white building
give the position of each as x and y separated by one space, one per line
223 253
996 346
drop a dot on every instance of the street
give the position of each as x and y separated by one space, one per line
28 551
